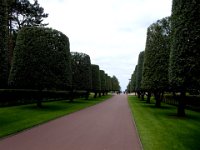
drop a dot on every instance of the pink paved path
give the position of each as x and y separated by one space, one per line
105 126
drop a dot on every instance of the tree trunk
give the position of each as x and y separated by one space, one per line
142 96
87 95
39 102
149 97
181 105
95 94
99 94
157 98
139 94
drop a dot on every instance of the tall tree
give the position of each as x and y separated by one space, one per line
103 82
3 43
115 84
133 80
81 71
23 13
156 59
185 49
139 73
96 82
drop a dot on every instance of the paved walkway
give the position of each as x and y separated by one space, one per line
105 126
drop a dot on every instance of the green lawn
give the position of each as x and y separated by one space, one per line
17 118
161 129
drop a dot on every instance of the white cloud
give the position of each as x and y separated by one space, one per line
112 32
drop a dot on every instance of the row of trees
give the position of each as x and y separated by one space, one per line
41 58
170 61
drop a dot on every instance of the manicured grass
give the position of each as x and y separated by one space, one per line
17 118
161 129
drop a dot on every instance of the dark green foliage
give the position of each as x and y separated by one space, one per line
103 80
115 84
41 60
128 88
185 51
3 44
109 83
96 82
139 71
156 57
133 80
81 71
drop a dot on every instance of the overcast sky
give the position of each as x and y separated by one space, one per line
112 32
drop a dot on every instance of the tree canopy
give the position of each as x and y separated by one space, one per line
23 13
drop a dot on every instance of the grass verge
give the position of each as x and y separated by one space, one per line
161 129
18 118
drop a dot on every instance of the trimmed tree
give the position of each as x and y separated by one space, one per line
103 82
184 57
41 60
133 80
3 44
115 84
156 59
81 71
109 83
139 74
96 82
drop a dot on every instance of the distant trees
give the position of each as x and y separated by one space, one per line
96 81
115 84
131 87
156 59
185 49
41 60
108 83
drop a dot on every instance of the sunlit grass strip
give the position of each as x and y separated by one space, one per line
17 118
160 129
